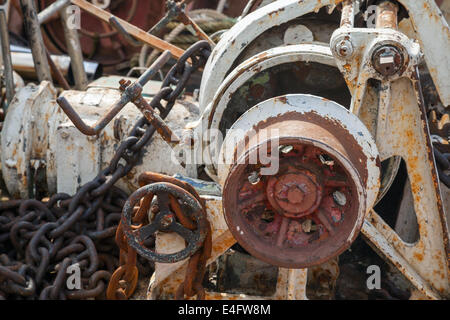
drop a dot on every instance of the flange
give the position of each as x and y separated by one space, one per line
300 180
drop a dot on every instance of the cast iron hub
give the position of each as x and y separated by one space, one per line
294 194
297 218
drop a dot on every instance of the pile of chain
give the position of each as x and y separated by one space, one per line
42 243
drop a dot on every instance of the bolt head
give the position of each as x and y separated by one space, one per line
344 48
167 220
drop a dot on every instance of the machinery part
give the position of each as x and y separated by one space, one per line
195 272
33 23
18 84
67 159
392 107
173 11
46 14
38 48
231 45
116 25
177 10
387 15
278 71
442 165
22 61
98 41
258 79
131 29
308 201
130 93
33 31
7 73
387 60
173 203
74 212
209 20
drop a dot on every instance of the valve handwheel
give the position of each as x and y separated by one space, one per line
177 211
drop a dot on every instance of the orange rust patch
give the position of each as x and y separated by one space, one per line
418 256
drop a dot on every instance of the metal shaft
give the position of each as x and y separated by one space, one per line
386 15
51 10
34 34
347 16
6 54
74 51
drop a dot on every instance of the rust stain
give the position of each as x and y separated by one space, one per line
418 256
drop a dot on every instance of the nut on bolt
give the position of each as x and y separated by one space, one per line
344 48
387 60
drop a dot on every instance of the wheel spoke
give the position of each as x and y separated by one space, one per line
163 202
282 231
322 216
147 231
335 182
255 198
186 234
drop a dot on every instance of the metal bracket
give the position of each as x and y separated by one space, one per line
398 122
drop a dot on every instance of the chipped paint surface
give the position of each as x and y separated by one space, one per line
230 46
400 128
24 136
248 69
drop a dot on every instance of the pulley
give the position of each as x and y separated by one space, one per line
299 173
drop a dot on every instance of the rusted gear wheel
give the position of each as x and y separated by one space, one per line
175 210
298 185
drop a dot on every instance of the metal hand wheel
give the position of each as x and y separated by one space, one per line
179 211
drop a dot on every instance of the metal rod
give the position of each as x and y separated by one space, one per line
57 74
51 10
131 92
22 63
33 31
161 127
347 16
247 9
172 12
154 68
186 20
386 15
74 51
6 55
221 5
134 31
116 25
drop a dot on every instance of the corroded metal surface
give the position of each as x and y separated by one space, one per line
164 221
311 207
400 128
233 42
